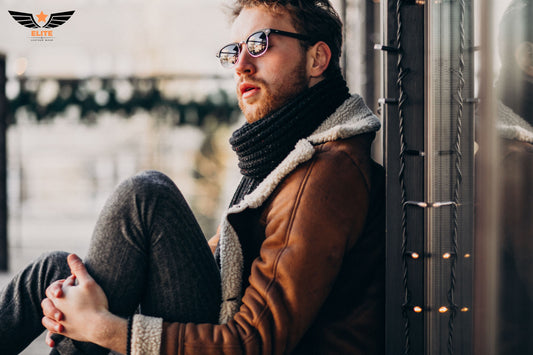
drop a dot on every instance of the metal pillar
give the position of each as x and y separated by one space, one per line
370 90
487 262
428 115
404 329
3 166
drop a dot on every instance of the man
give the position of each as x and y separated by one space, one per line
515 127
301 248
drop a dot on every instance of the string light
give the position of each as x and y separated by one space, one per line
464 309
446 255
443 309
21 64
417 309
415 255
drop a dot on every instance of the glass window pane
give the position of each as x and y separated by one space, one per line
505 176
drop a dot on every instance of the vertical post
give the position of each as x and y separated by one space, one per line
487 218
449 177
360 61
3 166
371 60
343 14
429 151
371 89
403 114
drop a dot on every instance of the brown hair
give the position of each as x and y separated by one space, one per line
314 18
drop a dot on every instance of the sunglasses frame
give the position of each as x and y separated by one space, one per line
267 32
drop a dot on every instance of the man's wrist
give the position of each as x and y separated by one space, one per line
111 332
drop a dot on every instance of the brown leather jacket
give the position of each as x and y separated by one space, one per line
316 284
313 252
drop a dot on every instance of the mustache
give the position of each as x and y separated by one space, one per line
255 82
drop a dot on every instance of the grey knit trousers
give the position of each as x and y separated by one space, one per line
147 252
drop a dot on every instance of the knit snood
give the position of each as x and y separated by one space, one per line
262 145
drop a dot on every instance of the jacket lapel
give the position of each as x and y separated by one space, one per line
353 117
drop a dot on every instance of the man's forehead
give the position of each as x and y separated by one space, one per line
258 18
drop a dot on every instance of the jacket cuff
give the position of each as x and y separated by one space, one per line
146 335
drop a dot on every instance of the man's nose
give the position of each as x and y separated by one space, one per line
245 63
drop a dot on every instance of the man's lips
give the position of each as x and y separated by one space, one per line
247 90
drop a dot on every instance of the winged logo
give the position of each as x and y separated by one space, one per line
26 19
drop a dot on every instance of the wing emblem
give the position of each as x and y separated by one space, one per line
58 18
26 19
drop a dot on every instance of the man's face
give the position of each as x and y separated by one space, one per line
266 83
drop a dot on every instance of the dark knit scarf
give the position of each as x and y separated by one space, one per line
262 145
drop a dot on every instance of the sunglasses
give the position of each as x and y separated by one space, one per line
256 45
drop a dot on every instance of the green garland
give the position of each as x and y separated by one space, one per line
146 96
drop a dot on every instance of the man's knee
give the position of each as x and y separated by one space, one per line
151 176
137 196
54 257
55 260
151 181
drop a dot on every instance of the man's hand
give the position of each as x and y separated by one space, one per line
75 307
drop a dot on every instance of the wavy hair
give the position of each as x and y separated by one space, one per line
314 18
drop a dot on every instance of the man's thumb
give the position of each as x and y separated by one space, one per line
78 268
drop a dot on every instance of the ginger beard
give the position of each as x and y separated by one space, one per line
275 94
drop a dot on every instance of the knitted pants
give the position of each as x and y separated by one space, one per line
147 252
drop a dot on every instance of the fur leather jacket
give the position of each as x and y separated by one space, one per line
306 248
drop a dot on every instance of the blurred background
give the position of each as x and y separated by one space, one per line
123 86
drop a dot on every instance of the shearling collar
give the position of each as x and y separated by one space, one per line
512 126
352 118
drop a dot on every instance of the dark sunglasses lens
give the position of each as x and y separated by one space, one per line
257 43
228 55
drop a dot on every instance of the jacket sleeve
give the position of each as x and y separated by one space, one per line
313 219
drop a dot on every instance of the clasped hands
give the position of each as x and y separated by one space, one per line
76 306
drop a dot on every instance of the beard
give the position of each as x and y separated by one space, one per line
275 95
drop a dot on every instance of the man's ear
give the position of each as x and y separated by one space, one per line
524 57
318 58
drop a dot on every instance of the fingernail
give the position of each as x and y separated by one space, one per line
57 315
